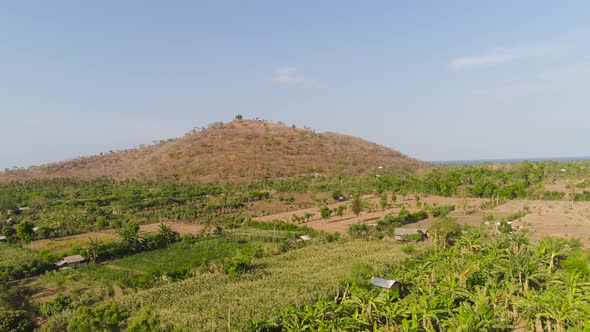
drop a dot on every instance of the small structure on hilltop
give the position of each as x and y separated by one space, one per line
409 234
71 262
2 238
386 284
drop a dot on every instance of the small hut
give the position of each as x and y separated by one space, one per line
386 284
71 262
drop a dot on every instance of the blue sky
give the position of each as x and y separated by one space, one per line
435 80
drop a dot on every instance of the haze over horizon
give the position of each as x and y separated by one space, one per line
437 81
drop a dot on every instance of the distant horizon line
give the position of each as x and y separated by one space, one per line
505 160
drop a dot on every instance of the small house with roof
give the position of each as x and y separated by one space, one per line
385 284
71 262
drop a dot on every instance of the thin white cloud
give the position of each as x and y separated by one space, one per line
287 75
490 58
559 79
497 56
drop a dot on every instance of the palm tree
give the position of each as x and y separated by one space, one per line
130 237
167 235
94 249
551 249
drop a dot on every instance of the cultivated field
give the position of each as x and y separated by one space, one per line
553 218
214 302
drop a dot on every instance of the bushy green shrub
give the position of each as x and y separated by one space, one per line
104 317
358 230
55 306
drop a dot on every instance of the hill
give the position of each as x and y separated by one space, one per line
240 150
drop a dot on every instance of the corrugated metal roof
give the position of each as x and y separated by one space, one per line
71 259
383 283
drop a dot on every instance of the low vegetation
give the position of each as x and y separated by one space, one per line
16 262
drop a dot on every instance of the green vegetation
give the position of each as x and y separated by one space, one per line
187 255
16 262
213 301
552 195
356 205
240 274
480 283
440 210
67 206
516 215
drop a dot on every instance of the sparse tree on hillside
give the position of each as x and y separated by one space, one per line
325 212
94 249
356 205
443 230
25 232
463 202
571 186
340 211
239 117
383 201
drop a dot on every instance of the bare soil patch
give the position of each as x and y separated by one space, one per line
66 243
545 218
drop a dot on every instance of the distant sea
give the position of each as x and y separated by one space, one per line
504 161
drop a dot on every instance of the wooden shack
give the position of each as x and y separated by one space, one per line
71 262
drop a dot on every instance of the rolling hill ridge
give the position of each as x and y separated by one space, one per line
241 150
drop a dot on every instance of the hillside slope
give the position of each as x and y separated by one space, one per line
237 151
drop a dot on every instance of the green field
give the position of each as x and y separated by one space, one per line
214 301
17 262
184 255
232 273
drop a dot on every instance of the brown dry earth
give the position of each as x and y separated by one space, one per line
65 243
553 218
341 224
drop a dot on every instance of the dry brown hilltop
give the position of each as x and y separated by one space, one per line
241 150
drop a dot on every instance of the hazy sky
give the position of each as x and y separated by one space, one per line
437 80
